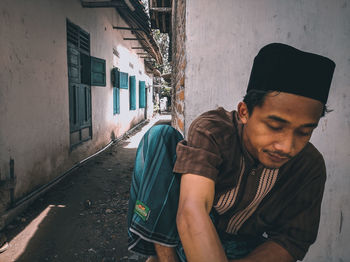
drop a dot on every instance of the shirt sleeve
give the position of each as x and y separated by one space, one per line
200 154
299 222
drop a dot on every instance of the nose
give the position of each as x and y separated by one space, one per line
285 144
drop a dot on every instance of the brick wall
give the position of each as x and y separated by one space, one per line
178 64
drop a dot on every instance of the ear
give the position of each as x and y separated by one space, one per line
243 113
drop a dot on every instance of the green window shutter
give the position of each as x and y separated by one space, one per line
79 80
85 68
84 108
79 106
115 77
88 104
73 107
116 100
132 92
142 94
123 80
98 71
73 64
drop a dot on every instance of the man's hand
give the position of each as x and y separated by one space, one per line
197 232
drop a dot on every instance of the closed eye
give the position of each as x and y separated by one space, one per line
275 128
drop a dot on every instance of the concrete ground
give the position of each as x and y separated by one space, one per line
82 218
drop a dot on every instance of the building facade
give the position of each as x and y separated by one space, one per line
72 79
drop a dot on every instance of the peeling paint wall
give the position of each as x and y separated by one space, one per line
178 64
222 39
34 109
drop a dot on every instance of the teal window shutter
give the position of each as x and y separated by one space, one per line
79 80
123 80
73 64
85 69
132 92
73 107
142 94
116 100
115 77
84 110
98 71
79 106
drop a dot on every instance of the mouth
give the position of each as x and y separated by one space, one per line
276 157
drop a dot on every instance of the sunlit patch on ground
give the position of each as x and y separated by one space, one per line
19 243
134 141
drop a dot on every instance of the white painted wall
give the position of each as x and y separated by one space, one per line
222 40
34 110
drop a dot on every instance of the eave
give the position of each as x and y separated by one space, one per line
160 14
134 14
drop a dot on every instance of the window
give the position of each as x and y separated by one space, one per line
83 71
142 94
98 72
123 80
132 93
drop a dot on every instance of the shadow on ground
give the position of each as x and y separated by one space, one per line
82 218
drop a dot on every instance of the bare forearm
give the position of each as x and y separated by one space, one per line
199 238
267 252
196 230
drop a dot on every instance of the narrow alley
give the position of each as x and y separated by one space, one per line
82 218
81 82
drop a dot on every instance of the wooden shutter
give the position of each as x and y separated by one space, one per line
98 71
73 107
79 79
79 106
123 80
132 92
84 105
84 41
73 57
85 69
115 77
116 100
142 94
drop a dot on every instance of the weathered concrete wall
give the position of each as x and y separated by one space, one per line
178 64
34 109
223 38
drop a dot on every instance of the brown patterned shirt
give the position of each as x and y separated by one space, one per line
250 199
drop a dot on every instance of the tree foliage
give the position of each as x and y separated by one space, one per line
163 43
166 91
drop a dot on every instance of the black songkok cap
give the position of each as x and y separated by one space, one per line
280 67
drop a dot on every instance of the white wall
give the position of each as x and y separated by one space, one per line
222 41
34 110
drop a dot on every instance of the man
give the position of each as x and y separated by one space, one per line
251 183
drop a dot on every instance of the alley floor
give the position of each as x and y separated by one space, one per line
82 218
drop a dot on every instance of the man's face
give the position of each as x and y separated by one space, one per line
280 128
